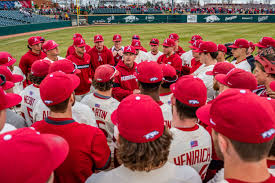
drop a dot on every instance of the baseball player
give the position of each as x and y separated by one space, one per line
187 56
101 102
154 54
45 151
265 43
100 54
222 50
31 94
71 49
88 149
177 48
149 75
239 51
136 37
80 112
82 60
140 55
9 76
169 56
34 53
244 150
51 49
117 49
169 77
125 83
249 56
208 54
191 144
143 149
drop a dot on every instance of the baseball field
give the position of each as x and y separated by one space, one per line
219 33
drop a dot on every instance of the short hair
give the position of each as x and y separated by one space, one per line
272 150
36 79
61 107
150 87
144 156
185 111
103 86
212 54
168 84
251 152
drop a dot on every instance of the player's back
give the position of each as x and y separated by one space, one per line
167 114
166 98
30 96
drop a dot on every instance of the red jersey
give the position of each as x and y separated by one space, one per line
28 59
83 64
102 57
180 51
174 60
194 65
88 148
125 82
71 50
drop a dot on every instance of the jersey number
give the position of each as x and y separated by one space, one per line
98 122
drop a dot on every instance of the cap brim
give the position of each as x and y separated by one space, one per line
197 51
153 44
75 80
13 99
193 47
137 48
36 43
82 45
191 42
259 45
220 78
8 85
167 45
209 73
203 114
98 41
17 78
233 46
117 40
114 117
10 63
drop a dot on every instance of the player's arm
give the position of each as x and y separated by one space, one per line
23 65
177 64
110 58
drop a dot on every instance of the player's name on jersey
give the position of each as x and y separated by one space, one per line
83 66
126 78
29 100
194 157
100 113
168 123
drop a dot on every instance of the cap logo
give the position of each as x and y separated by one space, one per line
128 48
151 135
98 79
97 37
35 39
193 102
171 37
229 83
169 63
48 101
117 37
136 43
154 79
81 41
165 41
212 122
9 59
268 133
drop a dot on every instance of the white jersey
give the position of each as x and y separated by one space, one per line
18 87
153 57
166 98
192 147
168 173
102 107
30 96
242 65
142 56
207 79
58 58
7 128
186 58
167 114
80 113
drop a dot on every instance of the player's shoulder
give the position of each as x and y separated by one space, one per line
79 105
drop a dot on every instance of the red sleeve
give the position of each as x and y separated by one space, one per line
23 64
118 92
68 52
101 153
159 60
110 59
177 64
91 61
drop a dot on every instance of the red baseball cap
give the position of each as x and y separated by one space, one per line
135 123
79 42
34 40
252 45
242 116
154 41
136 44
129 49
190 90
174 36
194 38
28 156
105 73
15 78
222 48
238 78
49 45
40 68
136 37
196 44
221 68
6 59
169 42
207 47
203 114
169 72
149 72
4 83
57 87
65 66
272 85
266 42
42 39
8 100
98 38
240 43
77 35
269 66
117 37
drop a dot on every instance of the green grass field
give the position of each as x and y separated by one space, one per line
219 33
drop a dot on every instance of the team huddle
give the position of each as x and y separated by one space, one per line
124 114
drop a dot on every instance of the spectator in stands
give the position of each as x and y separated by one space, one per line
50 47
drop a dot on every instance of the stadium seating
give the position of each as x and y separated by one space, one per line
152 11
110 11
136 11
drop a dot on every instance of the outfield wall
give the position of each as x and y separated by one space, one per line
181 19
32 27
